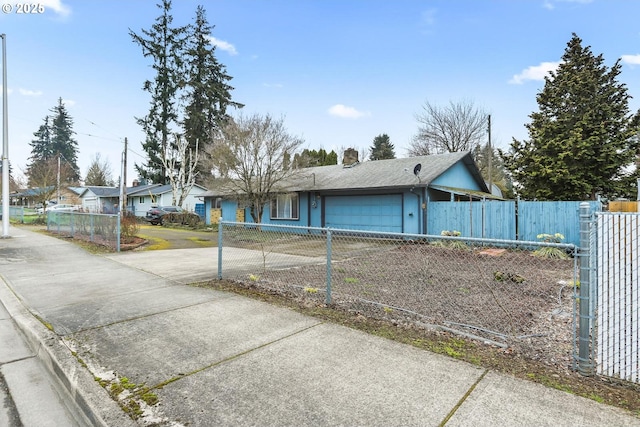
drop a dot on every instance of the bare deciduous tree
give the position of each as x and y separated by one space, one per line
458 127
45 175
252 153
181 163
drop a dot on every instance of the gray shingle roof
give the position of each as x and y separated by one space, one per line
381 174
373 175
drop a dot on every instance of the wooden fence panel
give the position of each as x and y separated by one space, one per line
507 220
623 206
483 219
562 217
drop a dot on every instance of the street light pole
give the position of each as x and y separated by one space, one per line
5 143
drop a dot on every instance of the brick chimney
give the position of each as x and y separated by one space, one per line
350 157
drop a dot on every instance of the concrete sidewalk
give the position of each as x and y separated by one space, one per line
216 359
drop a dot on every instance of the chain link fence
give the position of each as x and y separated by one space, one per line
16 213
495 290
103 229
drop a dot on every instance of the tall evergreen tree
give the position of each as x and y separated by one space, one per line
165 45
62 136
53 139
583 137
99 172
41 147
382 148
310 158
208 94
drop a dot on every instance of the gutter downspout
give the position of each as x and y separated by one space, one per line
419 209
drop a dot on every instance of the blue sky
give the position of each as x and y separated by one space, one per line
340 72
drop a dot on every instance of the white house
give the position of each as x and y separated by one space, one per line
140 198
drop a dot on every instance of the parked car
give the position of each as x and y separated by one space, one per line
61 207
154 215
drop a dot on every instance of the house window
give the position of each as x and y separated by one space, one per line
141 200
285 206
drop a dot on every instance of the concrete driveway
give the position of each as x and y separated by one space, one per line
174 238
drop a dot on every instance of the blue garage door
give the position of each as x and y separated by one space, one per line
375 213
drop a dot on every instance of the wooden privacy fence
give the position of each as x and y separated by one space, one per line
508 220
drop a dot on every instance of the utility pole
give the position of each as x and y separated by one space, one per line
124 193
123 180
5 143
58 180
490 154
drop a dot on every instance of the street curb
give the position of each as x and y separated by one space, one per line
92 401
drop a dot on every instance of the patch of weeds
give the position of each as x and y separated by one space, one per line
132 408
311 290
47 325
149 398
127 384
79 359
115 389
103 383
388 310
351 280
254 278
155 243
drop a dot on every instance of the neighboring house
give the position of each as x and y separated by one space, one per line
98 199
141 201
382 195
140 198
30 197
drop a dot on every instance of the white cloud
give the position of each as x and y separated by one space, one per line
534 72
27 92
57 6
550 4
631 59
223 45
429 17
345 112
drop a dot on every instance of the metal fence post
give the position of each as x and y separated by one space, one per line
220 250
585 364
329 249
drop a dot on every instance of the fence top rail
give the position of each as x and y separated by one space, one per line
390 235
84 213
617 213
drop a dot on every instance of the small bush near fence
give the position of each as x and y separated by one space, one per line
189 219
496 291
129 227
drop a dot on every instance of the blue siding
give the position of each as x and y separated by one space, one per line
229 210
457 176
372 212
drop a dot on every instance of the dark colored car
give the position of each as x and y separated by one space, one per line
154 215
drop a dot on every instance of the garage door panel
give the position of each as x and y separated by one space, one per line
372 213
